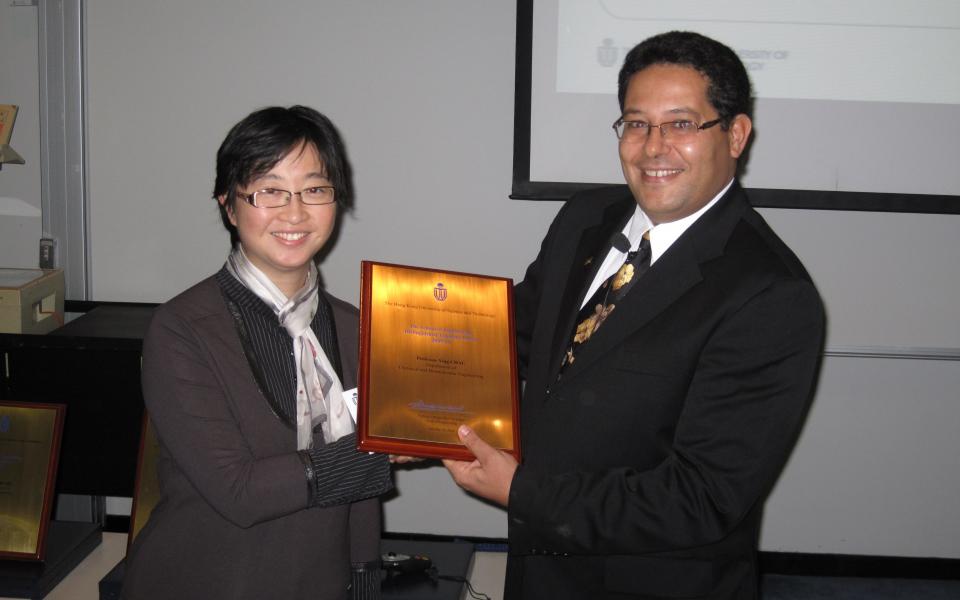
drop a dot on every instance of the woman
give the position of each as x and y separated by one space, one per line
263 494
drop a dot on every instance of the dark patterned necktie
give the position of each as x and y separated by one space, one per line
596 310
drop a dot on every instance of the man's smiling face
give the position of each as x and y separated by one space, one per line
672 180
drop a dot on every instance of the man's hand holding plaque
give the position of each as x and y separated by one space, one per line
489 475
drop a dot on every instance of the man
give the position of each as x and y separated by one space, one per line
652 440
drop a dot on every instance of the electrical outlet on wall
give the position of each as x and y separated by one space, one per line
48 253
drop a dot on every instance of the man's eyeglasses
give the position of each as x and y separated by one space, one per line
274 198
676 131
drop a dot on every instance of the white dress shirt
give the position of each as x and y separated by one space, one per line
661 237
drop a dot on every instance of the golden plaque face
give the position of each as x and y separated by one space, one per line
29 449
146 492
437 350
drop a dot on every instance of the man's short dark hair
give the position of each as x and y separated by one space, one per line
263 138
728 86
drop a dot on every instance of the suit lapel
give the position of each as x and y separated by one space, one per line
676 272
594 245
225 334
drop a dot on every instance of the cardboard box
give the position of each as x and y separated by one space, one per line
31 300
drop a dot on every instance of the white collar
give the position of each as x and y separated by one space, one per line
663 236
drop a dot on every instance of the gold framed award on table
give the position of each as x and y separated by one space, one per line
437 350
146 488
29 451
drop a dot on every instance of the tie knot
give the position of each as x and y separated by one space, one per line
641 251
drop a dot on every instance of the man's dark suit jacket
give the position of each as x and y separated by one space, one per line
646 465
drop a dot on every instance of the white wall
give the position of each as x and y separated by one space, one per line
875 471
422 90
20 224
889 279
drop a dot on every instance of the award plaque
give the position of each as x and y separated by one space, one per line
146 490
29 450
437 350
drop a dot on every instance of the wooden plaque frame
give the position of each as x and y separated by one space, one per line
498 353
50 478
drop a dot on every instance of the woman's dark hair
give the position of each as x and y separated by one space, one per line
261 140
728 86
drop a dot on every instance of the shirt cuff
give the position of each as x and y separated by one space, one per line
340 474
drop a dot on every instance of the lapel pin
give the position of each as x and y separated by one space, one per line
587 262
